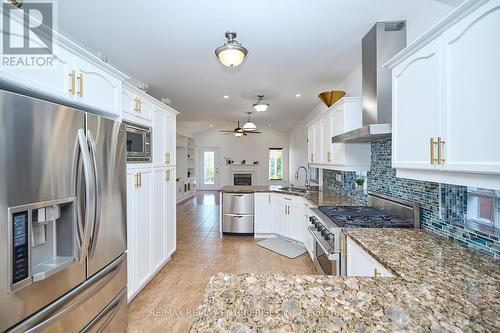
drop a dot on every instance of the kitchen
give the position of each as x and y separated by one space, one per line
212 190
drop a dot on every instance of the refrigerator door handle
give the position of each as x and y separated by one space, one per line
97 213
88 172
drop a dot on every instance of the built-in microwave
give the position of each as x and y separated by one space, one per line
138 143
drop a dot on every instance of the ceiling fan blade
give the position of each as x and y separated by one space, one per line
253 132
228 131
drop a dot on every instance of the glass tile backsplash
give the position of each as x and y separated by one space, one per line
442 206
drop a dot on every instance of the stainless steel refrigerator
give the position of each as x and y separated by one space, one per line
63 266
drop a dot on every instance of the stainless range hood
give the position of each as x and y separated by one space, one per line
381 43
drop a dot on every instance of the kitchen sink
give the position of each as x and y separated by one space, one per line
303 190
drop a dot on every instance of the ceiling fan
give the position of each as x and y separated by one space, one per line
238 131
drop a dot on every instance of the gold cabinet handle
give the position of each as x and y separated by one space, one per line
167 175
135 104
312 157
140 179
440 144
72 78
80 81
376 273
329 157
139 105
136 176
345 246
167 158
432 144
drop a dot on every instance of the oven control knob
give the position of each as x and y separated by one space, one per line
311 219
319 227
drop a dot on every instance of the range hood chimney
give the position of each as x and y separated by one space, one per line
381 43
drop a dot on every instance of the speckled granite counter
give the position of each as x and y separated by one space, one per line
442 287
327 198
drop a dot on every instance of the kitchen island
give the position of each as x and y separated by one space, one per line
439 286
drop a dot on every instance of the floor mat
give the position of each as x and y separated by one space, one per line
285 248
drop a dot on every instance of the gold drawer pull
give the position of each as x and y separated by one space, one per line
376 273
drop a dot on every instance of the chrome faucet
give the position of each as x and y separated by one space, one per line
307 175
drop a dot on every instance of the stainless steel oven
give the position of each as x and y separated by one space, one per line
138 143
326 258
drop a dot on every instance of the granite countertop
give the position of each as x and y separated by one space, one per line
319 198
440 287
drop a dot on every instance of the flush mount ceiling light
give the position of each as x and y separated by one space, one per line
249 126
231 54
260 106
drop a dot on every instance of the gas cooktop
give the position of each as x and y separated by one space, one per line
364 217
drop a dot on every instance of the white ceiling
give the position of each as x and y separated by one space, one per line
295 46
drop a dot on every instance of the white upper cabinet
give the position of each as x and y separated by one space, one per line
71 75
471 115
343 116
445 104
136 105
96 88
416 104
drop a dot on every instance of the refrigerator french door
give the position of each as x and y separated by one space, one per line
62 219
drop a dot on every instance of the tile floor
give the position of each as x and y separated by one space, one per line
166 304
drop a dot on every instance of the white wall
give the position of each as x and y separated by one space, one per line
418 22
254 147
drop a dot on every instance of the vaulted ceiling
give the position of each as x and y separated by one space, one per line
295 47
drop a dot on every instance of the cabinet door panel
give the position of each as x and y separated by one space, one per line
143 230
54 80
171 138
358 264
318 144
416 108
295 221
159 135
472 75
171 213
159 232
326 124
96 88
281 218
131 241
264 213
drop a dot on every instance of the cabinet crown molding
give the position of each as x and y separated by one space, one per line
434 32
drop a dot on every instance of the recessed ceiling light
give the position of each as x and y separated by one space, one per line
268 124
211 126
297 95
226 96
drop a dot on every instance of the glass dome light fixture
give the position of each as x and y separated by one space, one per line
249 126
260 106
232 53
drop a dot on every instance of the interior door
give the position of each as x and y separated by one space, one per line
37 164
209 169
109 239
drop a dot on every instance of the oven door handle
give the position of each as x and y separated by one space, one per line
318 241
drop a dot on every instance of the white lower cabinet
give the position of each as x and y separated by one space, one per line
151 223
289 212
139 229
264 212
360 263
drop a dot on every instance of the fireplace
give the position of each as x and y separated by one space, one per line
244 179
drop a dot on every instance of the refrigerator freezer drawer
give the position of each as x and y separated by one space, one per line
237 224
87 306
237 203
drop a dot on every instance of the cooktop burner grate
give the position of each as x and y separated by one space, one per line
365 217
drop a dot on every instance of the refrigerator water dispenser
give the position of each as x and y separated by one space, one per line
42 240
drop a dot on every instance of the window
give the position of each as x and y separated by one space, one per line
483 206
275 163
